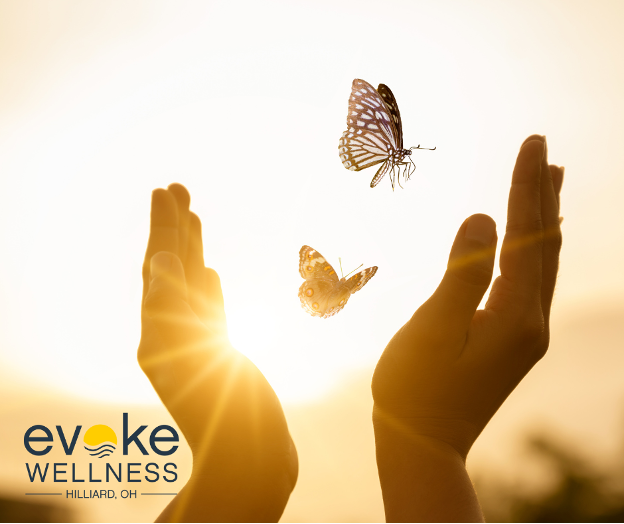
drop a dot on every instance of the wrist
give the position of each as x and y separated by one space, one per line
444 433
399 438
423 478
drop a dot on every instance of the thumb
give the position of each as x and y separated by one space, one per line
446 316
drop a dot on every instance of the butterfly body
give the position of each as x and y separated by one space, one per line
323 294
375 133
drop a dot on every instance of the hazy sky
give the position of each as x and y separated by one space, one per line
244 103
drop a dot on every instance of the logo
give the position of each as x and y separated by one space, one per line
102 440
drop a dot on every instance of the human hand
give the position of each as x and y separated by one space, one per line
450 367
244 460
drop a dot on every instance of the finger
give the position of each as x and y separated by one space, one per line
446 316
552 234
540 138
557 175
175 346
214 304
167 280
195 270
166 304
521 252
183 199
163 235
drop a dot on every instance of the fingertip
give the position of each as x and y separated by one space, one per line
181 194
474 249
195 255
534 146
539 138
195 223
480 228
213 281
160 195
163 264
529 163
557 176
467 278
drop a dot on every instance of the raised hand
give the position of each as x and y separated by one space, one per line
244 460
450 367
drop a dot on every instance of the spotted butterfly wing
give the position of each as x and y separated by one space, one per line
312 265
321 279
357 281
323 294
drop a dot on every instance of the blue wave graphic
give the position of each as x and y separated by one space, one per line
104 450
102 446
103 453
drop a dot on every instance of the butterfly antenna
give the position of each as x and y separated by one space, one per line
353 270
425 148
340 262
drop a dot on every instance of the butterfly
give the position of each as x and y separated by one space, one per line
375 133
323 294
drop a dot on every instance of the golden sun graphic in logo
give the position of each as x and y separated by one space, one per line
100 441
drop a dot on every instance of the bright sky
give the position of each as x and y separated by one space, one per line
244 103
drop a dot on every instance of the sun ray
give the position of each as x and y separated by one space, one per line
200 455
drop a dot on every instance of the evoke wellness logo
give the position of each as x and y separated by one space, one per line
100 441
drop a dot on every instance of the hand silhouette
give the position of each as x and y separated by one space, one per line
450 367
244 460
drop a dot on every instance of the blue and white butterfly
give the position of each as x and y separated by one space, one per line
375 133
323 294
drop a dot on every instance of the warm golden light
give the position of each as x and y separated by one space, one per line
244 104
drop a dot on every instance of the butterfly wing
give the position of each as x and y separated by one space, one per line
340 296
371 136
381 172
322 294
317 297
321 282
313 266
393 109
359 280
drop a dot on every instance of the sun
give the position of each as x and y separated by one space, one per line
99 434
